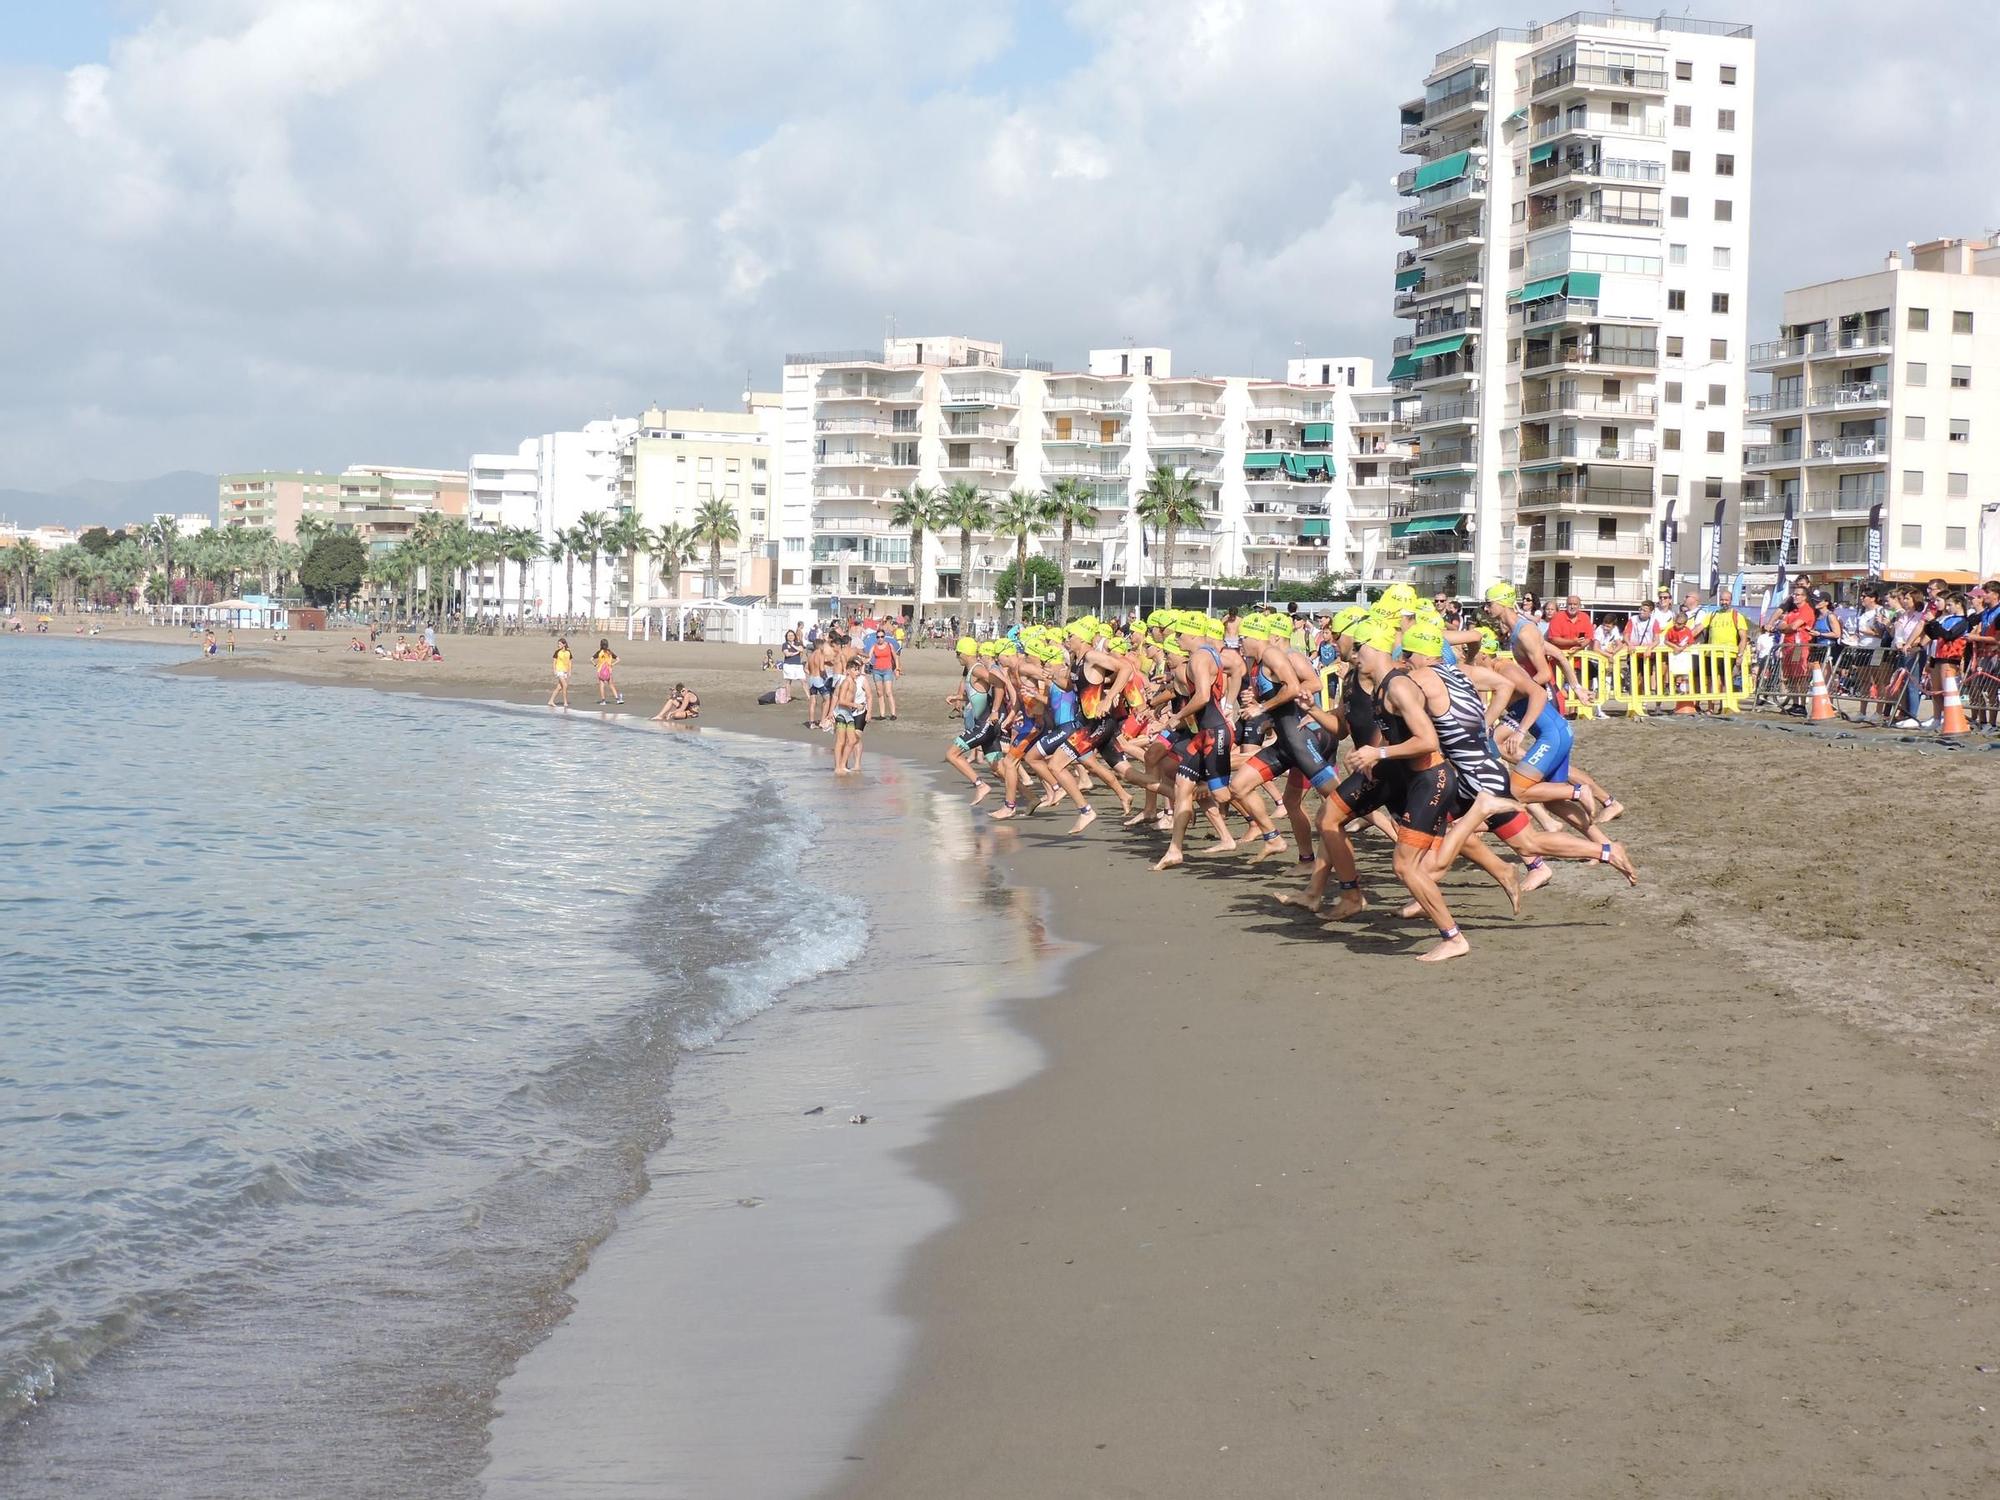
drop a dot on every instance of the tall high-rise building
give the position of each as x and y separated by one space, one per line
1295 477
1884 390
544 486
1580 221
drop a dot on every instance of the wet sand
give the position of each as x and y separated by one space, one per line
1682 1191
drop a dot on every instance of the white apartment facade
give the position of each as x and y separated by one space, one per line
1296 477
679 461
1884 391
1577 276
544 486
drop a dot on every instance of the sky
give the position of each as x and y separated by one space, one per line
247 234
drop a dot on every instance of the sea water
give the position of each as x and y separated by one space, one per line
335 1031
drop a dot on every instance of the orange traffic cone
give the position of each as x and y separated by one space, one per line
1951 713
1818 704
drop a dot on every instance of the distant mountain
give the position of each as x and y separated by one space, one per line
110 502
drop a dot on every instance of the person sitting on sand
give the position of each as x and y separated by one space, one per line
681 705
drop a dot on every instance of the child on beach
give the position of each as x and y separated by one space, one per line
606 658
850 717
561 689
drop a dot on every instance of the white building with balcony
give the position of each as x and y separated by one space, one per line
544 486
1577 272
1884 390
1295 478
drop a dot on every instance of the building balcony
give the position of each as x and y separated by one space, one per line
1582 451
1561 217
980 398
1598 122
1549 312
1588 500
1186 409
1763 405
1631 544
1587 404
1438 547
1596 78
1445 456
975 463
1070 468
1440 284
1440 503
1858 393
1202 440
1836 554
1870 339
1446 238
1437 200
1535 357
993 432
1841 502
856 459
1839 450
861 424
1437 414
1057 401
1083 438
1776 353
849 390
1448 106
1587 166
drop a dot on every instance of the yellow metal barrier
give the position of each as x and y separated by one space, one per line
1645 679
1596 676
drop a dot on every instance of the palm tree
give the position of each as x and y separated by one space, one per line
715 527
966 507
919 509
520 547
671 545
1020 515
622 538
160 533
589 533
571 544
1068 505
1170 500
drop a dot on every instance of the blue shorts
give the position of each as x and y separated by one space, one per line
1548 756
880 675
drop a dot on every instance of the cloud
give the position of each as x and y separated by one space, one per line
304 231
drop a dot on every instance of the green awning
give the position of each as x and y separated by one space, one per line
1584 283
1444 169
1262 460
1541 154
1436 347
1407 279
1547 286
1404 368
1516 118
1317 463
1540 468
1319 432
1315 526
1417 525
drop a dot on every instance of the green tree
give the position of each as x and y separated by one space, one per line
1170 501
966 509
1020 515
96 541
522 546
159 534
1311 590
1068 505
714 528
621 539
919 510
1043 575
589 534
331 571
673 545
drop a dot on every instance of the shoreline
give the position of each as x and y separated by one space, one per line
1650 1194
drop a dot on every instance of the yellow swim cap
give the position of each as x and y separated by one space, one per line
1160 617
1347 618
1373 632
1489 643
988 648
1253 628
1399 596
1174 650
1423 639
967 646
1503 594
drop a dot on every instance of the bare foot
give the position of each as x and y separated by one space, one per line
1163 824
1451 947
1265 849
1615 856
1226 846
1306 904
980 795
1083 820
1610 811
1350 904
1133 819
1511 884
1168 860
1536 878
1006 810
1054 796
1589 801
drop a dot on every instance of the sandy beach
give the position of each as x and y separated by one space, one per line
1678 1191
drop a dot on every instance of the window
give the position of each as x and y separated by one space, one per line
681 458
760 490
1720 256
707 466
1673 346
1913 536
758 463
732 491
1677 208
1725 210
1683 161
1954 539
1149 364
1961 430
1961 377
1516 258
1718 302
1673 393
1728 73
1725 119
1670 484
1683 116
1718 395
1684 71
1913 428
1913 481
1920 320
1677 255
1711 489
1670 439
1961 322
1956 484
1715 442
1718 348
1916 372
1677 301
1725 166
733 465
704 492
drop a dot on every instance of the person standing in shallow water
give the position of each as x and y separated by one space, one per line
562 665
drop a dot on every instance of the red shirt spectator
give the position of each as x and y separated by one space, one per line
1570 629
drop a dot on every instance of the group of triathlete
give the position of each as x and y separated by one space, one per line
1454 734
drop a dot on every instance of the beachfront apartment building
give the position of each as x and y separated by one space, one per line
270 500
545 486
1576 274
1881 390
377 502
679 461
1296 477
